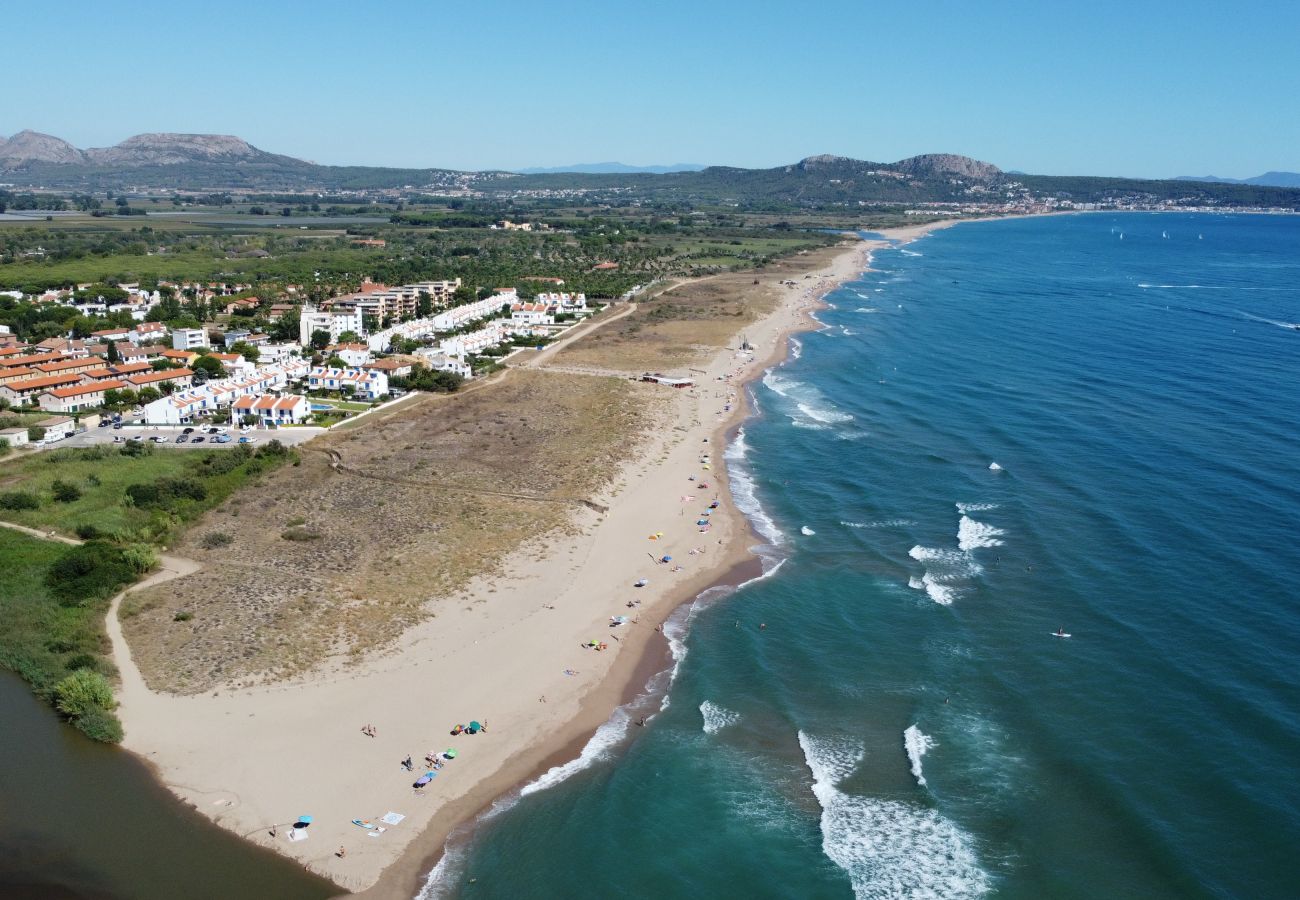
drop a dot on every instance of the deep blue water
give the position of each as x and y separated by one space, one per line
1138 394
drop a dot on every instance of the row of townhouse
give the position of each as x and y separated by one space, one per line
475 341
564 302
447 320
441 362
289 409
366 384
82 390
184 407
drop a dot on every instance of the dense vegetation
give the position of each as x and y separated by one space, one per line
123 503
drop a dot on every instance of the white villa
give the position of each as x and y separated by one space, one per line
366 384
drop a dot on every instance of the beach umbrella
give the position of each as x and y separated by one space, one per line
303 822
425 779
702 522
449 753
475 727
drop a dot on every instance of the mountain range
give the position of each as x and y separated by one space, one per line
611 168
1268 179
213 162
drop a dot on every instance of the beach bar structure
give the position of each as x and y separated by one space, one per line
669 381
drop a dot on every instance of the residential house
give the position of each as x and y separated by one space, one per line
68 366
76 397
532 314
392 366
147 332
16 437
290 409
189 338
57 428
112 334
110 373
353 354
332 323
31 359
234 336
179 378
26 391
234 364
441 362
366 384
184 357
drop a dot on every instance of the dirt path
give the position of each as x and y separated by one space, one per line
133 685
43 535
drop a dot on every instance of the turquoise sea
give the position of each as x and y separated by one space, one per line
1086 423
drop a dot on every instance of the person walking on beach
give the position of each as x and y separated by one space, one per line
342 852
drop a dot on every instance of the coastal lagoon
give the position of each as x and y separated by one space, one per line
1079 424
81 820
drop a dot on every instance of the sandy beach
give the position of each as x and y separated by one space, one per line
255 760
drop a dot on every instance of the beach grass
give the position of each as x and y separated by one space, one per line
404 514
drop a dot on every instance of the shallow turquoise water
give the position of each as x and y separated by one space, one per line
906 725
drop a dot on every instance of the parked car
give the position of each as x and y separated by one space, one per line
245 440
104 423
221 439
182 439
198 439
118 439
117 426
187 431
158 439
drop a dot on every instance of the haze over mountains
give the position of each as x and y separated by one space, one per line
1268 179
213 162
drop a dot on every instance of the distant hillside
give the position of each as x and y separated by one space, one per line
1268 179
611 168
209 162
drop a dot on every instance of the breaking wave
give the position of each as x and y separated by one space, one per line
889 849
716 718
972 535
917 745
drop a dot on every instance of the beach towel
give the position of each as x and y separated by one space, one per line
392 818
363 823
296 834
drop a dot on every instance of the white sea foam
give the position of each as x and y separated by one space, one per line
744 493
906 252
917 745
866 309
972 535
846 331
889 849
805 530
599 747
938 591
964 508
915 583
808 400
716 717
439 882
883 523
994 467
796 348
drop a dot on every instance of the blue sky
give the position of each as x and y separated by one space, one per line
1136 88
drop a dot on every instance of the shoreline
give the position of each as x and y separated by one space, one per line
748 566
165 730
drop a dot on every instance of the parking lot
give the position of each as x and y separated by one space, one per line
170 434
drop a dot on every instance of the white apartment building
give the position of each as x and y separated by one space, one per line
189 339
333 323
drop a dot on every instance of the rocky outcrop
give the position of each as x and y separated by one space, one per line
167 149
32 146
931 165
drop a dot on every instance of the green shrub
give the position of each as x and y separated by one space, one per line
300 533
93 571
140 557
100 725
82 661
86 531
65 491
214 539
182 616
165 492
19 500
83 691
